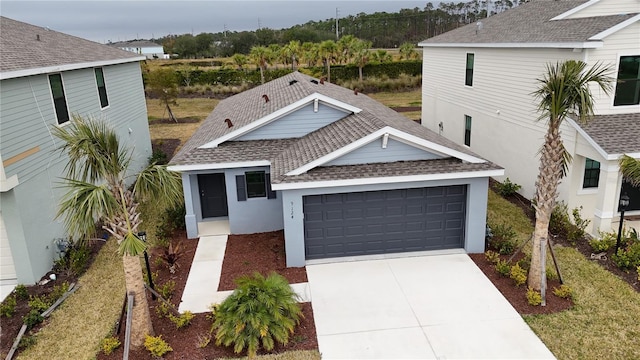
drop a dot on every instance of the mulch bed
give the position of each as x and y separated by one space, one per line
167 146
11 326
269 246
241 250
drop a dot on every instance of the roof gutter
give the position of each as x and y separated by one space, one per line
595 44
66 67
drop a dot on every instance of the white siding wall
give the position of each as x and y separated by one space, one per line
620 43
504 126
608 7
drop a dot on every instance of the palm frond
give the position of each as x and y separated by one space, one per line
157 184
630 169
93 149
131 245
83 205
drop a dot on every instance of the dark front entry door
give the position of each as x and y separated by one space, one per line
213 195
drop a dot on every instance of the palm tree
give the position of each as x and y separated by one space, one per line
261 56
630 169
408 51
240 60
328 49
97 192
563 91
311 53
361 55
291 52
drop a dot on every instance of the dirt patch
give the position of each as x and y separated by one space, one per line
184 120
167 146
255 252
402 109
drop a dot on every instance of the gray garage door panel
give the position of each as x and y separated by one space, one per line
378 222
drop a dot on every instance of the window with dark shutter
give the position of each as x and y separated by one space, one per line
241 188
59 99
102 88
270 193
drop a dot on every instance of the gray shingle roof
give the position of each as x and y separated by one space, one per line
20 48
531 23
615 134
289 154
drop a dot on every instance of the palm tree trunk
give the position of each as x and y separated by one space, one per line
360 72
261 75
549 176
141 319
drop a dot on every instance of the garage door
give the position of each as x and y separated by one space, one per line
7 270
380 222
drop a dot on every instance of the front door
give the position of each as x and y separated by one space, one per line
213 195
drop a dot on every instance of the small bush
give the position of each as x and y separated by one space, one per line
163 310
559 222
74 261
57 292
576 232
551 273
627 258
32 318
503 239
8 306
492 256
39 303
156 346
503 267
518 275
21 292
507 188
166 290
273 316
109 344
182 320
525 262
27 341
158 157
564 292
533 297
605 242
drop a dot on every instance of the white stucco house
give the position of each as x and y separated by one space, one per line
147 48
46 77
341 173
478 81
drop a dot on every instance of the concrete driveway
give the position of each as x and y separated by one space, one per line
426 307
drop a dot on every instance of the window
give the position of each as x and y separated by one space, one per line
591 174
628 84
633 192
467 130
59 100
256 185
468 79
102 89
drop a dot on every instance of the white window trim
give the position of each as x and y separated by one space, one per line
617 68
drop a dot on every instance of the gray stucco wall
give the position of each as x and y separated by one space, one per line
374 153
297 124
293 215
25 121
245 217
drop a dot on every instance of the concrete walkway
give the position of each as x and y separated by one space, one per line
426 307
201 289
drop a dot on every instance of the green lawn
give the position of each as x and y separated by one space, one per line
605 321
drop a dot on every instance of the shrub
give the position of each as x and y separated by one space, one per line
183 319
57 292
564 292
21 292
507 188
559 222
525 262
27 341
163 309
503 267
171 254
109 344
156 346
39 303
166 290
74 261
492 256
260 312
158 157
628 257
8 306
605 242
32 318
576 232
533 297
518 275
503 239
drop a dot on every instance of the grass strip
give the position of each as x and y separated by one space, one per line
76 328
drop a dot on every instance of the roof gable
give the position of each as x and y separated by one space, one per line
612 135
313 101
532 25
30 50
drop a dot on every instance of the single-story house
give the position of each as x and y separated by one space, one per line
341 173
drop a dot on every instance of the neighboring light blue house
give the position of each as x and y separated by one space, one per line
45 78
342 174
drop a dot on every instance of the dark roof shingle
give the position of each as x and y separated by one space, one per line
616 133
24 46
531 23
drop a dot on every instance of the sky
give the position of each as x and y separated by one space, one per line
119 20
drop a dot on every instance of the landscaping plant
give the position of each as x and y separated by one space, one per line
533 297
258 313
508 188
109 344
156 346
